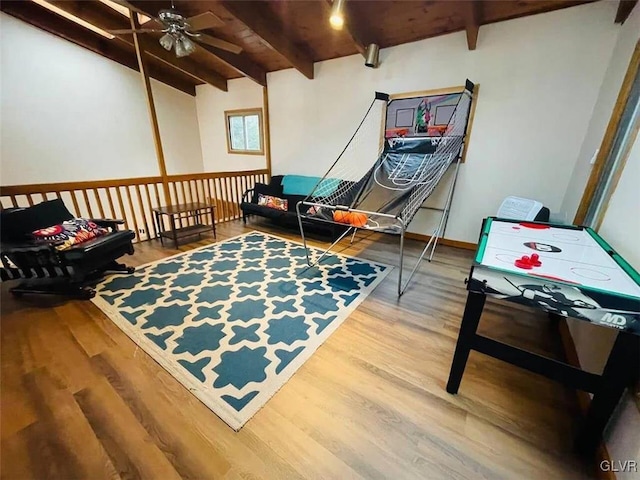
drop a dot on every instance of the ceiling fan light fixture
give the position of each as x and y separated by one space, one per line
337 14
167 41
184 46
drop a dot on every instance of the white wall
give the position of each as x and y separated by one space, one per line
68 114
621 224
628 37
212 103
539 78
621 228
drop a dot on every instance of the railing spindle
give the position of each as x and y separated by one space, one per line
159 204
208 196
157 192
184 195
227 195
75 202
110 200
133 213
153 220
87 203
144 214
217 184
214 199
175 193
96 193
195 183
122 211
236 197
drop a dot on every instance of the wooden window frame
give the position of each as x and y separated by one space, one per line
241 113
438 91
597 171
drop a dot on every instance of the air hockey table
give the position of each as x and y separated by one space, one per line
579 275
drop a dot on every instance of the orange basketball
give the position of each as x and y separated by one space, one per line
358 219
341 216
355 219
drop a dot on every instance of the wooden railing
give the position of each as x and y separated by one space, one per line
133 199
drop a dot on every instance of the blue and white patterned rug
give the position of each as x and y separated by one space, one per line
234 320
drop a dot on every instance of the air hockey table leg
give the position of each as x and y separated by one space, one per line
470 320
620 372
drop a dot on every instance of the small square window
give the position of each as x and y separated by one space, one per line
244 131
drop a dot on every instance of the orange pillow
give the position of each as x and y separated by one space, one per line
273 202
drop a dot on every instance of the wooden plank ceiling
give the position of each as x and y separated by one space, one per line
277 34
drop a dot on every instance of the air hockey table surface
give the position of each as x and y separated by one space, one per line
580 275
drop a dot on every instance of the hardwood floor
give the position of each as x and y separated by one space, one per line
79 400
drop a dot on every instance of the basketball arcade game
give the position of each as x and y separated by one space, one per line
566 271
385 197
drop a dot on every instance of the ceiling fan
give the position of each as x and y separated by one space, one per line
180 32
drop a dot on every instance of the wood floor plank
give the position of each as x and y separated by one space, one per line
14 456
76 446
248 454
192 455
307 456
131 449
85 331
78 395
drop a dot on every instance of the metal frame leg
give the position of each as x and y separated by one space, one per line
618 373
304 239
174 231
444 219
433 241
468 328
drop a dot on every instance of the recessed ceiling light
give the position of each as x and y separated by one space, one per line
73 18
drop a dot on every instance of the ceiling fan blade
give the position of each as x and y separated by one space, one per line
218 43
154 23
128 30
203 21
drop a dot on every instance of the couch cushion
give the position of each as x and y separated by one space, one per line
276 180
100 244
273 190
293 200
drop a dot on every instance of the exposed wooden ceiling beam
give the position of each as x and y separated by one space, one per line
473 18
119 52
625 7
360 34
259 19
106 18
241 63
